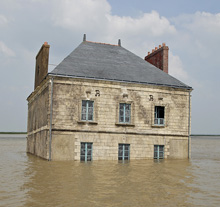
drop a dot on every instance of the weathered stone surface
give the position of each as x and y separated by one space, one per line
68 131
41 68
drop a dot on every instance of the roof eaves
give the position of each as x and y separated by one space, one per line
118 80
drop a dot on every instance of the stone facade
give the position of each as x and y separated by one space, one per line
38 107
105 131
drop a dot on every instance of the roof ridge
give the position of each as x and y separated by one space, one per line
101 43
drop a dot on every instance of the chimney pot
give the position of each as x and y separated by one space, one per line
148 53
119 42
84 37
159 58
45 43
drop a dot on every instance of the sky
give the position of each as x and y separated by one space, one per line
190 28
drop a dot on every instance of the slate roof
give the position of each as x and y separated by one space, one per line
111 62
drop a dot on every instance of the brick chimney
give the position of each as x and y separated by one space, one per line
159 57
41 68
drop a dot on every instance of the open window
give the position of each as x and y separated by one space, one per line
159 115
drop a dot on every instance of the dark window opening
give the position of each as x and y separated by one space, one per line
159 115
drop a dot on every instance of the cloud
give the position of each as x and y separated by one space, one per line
209 23
5 50
176 67
147 23
198 32
78 14
95 16
3 20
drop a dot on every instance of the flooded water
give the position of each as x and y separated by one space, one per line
28 181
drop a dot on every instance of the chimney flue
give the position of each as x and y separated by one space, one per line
41 68
119 42
159 57
84 37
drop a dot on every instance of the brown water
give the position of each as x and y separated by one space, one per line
29 181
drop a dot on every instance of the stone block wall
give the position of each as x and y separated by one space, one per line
105 131
38 109
66 145
37 143
38 121
69 93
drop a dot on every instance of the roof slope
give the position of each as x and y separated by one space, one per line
111 62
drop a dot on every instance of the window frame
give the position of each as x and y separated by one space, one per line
124 110
87 113
122 149
88 150
158 121
131 114
166 115
158 152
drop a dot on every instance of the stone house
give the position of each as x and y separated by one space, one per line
103 102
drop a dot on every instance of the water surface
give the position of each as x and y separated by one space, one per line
28 181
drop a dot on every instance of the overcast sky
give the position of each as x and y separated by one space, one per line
191 29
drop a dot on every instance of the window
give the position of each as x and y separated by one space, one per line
124 113
87 110
158 151
123 151
159 115
86 151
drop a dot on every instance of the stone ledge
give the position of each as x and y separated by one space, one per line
158 126
124 124
87 122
